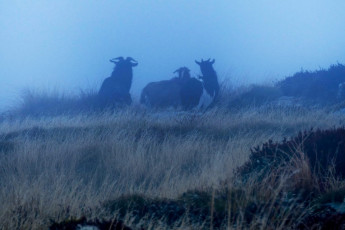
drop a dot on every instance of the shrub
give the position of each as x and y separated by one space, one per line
322 150
317 86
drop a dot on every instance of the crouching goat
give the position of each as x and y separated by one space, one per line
184 91
115 89
164 94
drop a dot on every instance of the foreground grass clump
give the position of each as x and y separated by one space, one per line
195 207
322 150
309 168
69 166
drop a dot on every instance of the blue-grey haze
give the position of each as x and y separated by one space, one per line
65 45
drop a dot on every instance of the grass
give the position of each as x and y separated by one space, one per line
43 103
62 159
72 165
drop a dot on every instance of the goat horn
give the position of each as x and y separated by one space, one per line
130 59
177 71
186 69
118 58
115 60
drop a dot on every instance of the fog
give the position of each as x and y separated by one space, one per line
66 45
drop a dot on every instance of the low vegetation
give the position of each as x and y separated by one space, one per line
138 166
324 87
319 86
64 164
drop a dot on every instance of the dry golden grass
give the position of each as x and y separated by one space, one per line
67 166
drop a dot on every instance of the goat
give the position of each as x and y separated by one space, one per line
184 91
210 83
166 93
115 89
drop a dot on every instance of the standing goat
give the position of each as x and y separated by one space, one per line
115 89
210 83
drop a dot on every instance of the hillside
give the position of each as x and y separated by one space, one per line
63 167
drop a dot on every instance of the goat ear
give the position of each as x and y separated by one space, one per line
197 62
212 62
134 64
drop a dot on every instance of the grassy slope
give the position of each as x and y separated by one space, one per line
68 166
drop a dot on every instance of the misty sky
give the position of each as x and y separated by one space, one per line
66 45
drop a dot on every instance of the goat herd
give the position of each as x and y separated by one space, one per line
183 91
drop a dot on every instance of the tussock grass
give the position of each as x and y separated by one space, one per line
68 166
44 103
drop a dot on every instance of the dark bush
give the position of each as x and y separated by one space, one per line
323 149
312 87
317 86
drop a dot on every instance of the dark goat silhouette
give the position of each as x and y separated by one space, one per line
183 73
184 91
167 93
209 77
201 94
115 89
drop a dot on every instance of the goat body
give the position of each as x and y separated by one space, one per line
162 94
115 89
183 91
210 83
179 92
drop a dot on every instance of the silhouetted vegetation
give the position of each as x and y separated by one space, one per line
312 165
324 150
319 86
304 88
